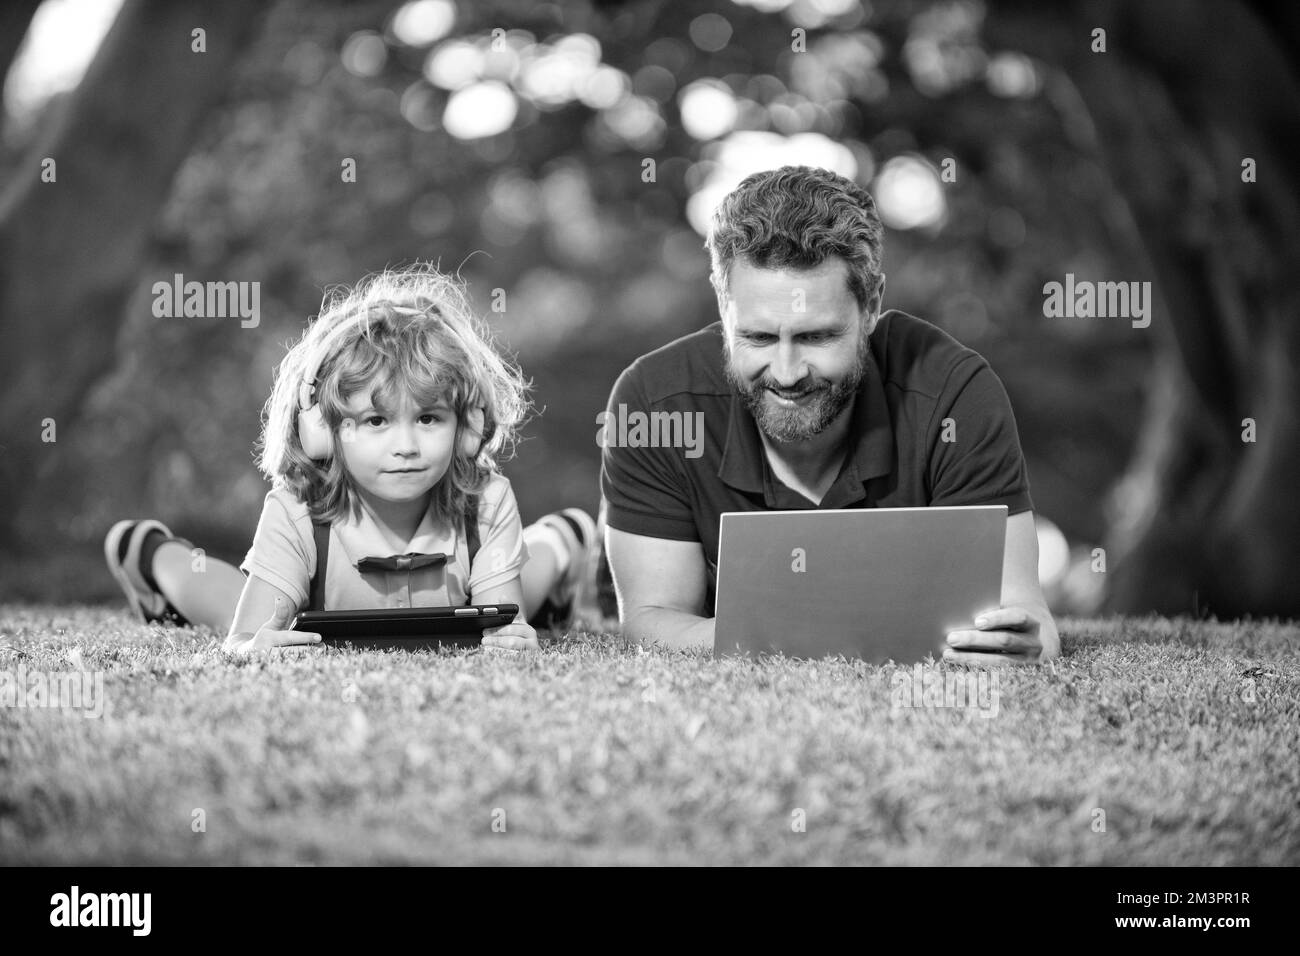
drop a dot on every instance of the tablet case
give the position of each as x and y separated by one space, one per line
407 627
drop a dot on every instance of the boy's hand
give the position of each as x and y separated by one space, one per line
516 636
274 633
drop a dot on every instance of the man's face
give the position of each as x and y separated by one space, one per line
796 346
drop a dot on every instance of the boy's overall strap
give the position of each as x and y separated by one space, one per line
472 541
321 534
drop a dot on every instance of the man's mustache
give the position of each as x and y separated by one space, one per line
796 391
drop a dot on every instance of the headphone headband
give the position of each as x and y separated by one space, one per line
314 434
323 351
319 356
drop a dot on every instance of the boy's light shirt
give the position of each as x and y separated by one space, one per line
284 554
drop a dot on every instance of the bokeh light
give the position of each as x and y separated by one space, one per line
909 194
424 21
479 110
839 66
792 114
764 6
554 75
743 152
708 109
604 88
670 53
943 49
516 199
419 106
1012 75
814 14
710 32
501 62
655 82
306 62
364 53
637 122
454 65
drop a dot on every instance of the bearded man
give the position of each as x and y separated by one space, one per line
808 396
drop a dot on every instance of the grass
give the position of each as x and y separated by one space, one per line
596 752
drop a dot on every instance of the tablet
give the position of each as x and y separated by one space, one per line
406 627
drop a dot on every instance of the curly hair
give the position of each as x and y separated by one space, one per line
401 332
797 217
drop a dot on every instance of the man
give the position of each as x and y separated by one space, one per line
809 397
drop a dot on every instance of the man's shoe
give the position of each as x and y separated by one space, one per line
122 552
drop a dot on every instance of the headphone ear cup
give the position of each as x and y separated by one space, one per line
314 434
471 436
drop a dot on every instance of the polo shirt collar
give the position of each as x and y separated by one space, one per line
362 538
743 462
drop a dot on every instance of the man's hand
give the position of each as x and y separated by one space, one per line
271 634
1014 634
1021 631
515 636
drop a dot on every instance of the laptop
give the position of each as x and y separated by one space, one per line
872 583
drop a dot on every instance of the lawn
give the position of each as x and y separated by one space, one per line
1150 741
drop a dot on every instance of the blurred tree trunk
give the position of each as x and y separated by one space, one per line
70 249
1185 92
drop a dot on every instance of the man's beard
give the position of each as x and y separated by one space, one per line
823 404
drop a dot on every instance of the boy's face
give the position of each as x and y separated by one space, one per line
396 455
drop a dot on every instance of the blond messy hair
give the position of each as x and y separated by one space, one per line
412 332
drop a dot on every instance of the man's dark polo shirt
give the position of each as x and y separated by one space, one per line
917 376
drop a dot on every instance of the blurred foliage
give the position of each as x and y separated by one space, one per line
597 266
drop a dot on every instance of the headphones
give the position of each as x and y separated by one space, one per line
313 432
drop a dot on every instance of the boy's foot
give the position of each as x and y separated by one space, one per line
129 551
576 588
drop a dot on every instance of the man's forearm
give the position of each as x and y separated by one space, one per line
669 628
